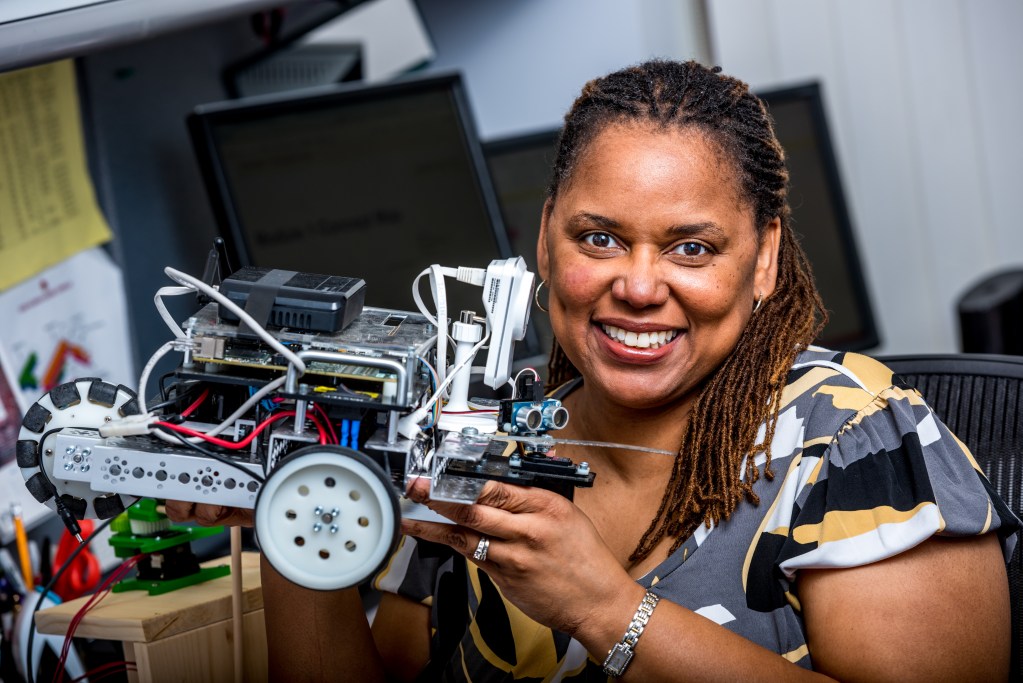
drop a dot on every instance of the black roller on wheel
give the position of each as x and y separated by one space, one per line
85 403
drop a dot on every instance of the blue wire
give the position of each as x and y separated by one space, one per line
355 433
345 428
267 404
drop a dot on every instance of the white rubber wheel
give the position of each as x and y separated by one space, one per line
85 403
327 518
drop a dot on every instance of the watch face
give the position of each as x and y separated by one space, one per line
617 659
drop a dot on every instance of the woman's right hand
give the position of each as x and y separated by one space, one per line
205 514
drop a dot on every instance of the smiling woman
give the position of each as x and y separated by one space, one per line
801 513
815 520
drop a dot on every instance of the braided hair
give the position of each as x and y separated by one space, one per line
707 480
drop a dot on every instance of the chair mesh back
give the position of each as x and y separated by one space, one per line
986 412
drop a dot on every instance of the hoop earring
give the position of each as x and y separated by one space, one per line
759 301
536 296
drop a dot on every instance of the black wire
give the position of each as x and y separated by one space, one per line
163 379
210 454
189 387
29 673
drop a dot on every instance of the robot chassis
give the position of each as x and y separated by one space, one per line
327 507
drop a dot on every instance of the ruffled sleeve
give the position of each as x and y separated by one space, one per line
414 570
892 477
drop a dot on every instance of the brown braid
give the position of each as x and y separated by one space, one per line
705 485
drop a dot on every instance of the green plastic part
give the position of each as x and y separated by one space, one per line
121 524
161 587
129 545
145 511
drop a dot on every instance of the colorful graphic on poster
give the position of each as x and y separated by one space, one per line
67 322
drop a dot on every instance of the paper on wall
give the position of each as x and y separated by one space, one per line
48 208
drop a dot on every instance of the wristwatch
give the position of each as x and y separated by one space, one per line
620 655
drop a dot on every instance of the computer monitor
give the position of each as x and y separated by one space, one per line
521 168
820 217
377 182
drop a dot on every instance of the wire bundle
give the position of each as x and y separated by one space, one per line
101 592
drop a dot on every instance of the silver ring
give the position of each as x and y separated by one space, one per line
481 550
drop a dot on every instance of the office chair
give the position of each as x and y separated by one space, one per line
980 398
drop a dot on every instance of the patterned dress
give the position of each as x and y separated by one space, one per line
863 471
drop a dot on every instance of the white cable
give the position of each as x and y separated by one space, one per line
162 307
440 300
408 426
472 276
214 294
241 410
514 382
191 283
148 369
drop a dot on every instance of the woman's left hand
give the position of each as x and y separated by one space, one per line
544 553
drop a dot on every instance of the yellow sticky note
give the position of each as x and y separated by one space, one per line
48 208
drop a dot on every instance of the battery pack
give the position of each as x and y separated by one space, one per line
298 301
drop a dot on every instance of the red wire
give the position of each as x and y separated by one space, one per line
238 445
326 418
104 670
198 402
224 443
100 593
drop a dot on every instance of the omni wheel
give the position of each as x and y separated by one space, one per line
327 518
85 403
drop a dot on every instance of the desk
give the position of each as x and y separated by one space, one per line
185 635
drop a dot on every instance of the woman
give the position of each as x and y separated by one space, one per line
848 542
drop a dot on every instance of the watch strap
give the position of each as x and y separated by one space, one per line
621 654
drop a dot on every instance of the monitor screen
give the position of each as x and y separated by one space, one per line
521 168
377 182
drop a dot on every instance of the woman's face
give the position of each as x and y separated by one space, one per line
653 262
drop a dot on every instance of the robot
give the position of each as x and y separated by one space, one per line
294 399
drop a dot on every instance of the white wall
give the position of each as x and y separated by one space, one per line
524 61
924 100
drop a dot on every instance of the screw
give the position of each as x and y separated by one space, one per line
76 457
49 451
335 512
70 449
85 467
106 419
515 461
470 431
87 452
318 510
317 526
68 466
583 468
333 528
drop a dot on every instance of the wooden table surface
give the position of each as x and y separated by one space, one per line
139 617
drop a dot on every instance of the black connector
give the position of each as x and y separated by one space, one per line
68 518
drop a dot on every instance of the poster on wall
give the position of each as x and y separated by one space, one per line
68 321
